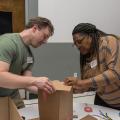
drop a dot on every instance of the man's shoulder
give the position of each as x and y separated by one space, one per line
9 38
8 41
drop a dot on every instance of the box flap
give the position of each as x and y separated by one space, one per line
8 110
49 108
66 106
14 115
89 117
4 112
35 119
60 86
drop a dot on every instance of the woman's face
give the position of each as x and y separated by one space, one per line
82 42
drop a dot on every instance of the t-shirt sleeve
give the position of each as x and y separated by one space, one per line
7 51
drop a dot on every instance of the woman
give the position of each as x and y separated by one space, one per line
99 63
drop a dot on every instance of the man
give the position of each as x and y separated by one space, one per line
99 63
16 59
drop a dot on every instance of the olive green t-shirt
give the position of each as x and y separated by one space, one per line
17 54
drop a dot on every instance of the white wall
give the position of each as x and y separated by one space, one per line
65 14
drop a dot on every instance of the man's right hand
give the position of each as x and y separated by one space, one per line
44 84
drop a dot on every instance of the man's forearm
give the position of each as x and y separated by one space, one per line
12 81
32 89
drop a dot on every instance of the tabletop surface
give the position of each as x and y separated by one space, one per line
80 110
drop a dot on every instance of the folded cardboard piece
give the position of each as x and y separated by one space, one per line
57 106
35 119
89 117
8 110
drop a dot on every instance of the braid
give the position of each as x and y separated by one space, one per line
85 28
89 30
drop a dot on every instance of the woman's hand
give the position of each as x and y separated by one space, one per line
79 86
70 81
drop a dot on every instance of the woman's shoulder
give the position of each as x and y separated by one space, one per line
109 39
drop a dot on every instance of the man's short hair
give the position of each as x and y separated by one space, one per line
41 22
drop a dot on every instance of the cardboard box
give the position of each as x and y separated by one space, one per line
8 110
35 119
57 106
89 117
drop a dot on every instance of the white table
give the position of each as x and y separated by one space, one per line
79 110
31 110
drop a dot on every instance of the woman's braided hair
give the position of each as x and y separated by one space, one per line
89 29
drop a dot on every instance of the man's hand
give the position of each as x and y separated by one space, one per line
44 84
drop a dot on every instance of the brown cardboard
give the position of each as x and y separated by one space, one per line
35 119
89 117
57 106
8 110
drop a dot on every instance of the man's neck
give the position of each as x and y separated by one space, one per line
25 36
